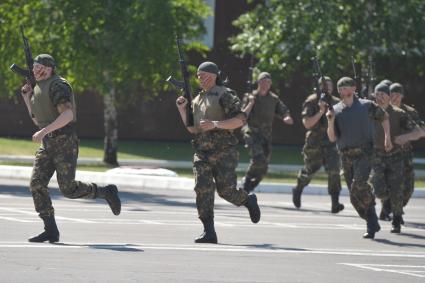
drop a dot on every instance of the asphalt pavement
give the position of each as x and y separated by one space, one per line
152 241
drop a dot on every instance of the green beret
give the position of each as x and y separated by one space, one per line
386 81
396 87
264 75
383 88
45 60
346 81
209 67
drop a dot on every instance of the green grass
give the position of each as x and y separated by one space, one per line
170 151
145 150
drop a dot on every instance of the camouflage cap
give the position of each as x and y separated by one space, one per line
346 82
209 67
45 60
328 79
396 87
382 88
264 75
386 81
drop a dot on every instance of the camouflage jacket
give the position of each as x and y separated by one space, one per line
316 136
265 109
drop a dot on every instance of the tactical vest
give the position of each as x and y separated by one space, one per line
395 116
42 107
263 112
206 106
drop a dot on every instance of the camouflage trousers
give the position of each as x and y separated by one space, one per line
356 163
260 150
387 179
58 154
408 183
314 158
215 170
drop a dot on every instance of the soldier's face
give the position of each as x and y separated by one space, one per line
41 72
206 80
330 86
396 98
346 91
264 85
382 97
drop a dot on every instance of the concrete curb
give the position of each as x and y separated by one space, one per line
132 182
157 163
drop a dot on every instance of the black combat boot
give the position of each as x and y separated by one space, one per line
51 232
296 196
372 224
249 183
253 208
208 236
110 194
396 224
385 211
336 206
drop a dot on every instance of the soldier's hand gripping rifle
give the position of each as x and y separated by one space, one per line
28 73
322 92
184 85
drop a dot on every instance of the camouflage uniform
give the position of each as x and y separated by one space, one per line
356 164
258 135
59 149
407 156
216 155
318 150
388 166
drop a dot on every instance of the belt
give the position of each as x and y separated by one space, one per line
60 132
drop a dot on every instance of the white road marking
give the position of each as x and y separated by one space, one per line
35 214
16 219
223 249
391 268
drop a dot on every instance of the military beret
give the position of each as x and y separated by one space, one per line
45 60
396 87
386 81
328 79
382 88
346 81
264 75
209 67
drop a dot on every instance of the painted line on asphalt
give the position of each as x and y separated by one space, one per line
16 219
391 268
35 214
210 248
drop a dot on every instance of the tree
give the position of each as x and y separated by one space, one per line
284 35
120 49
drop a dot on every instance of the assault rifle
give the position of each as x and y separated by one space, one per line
249 84
358 80
321 88
183 85
28 73
370 78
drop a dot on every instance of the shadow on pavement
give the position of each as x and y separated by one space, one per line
414 236
126 197
264 246
118 248
415 225
392 243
